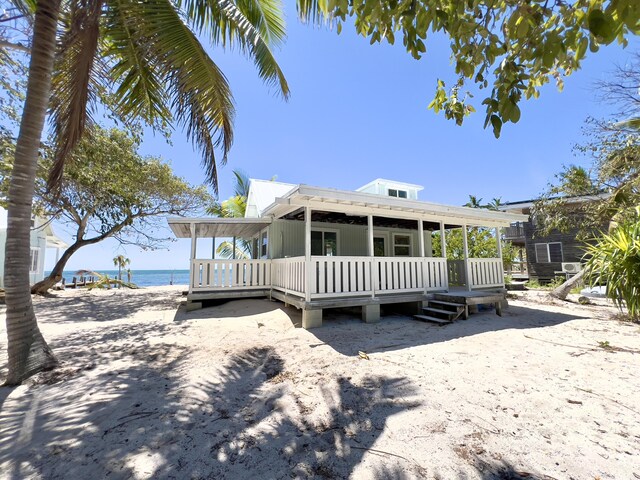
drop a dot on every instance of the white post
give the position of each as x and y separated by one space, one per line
371 254
307 252
465 246
193 257
422 262
499 242
443 241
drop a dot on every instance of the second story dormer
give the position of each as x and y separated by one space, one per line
391 188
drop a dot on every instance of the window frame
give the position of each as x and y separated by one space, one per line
263 244
397 192
330 230
35 257
546 245
394 244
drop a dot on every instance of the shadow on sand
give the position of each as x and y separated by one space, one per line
395 332
133 407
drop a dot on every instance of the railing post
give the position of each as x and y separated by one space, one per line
193 256
467 266
307 253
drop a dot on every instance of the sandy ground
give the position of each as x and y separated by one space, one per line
146 390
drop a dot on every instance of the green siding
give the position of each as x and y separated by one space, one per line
286 238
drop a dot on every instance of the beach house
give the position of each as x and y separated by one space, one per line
319 248
42 238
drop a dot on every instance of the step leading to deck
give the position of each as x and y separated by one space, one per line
428 318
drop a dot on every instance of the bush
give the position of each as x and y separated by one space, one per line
614 261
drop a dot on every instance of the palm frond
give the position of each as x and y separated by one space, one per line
198 92
225 250
139 91
241 184
73 86
315 12
254 25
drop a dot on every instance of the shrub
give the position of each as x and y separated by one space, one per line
614 261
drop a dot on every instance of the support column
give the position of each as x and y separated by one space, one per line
499 244
213 248
465 246
421 237
372 269
311 318
233 255
307 258
371 313
443 241
193 256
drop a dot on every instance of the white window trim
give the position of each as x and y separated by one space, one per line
266 255
385 235
397 195
331 230
38 250
393 246
535 247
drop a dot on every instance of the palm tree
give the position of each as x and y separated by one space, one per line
147 57
234 207
121 262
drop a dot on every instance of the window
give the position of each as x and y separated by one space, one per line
401 245
324 243
264 242
397 193
379 249
34 261
548 252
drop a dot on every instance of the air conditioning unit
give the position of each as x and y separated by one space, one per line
571 267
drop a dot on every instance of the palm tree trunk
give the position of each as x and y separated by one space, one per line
563 290
27 350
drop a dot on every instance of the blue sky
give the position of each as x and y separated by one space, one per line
358 112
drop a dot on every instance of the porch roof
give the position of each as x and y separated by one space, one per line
358 203
217 227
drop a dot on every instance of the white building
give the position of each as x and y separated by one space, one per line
42 237
321 248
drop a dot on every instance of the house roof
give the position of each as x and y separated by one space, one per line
262 193
358 203
208 227
393 183
522 204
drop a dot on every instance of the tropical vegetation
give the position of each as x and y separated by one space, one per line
614 261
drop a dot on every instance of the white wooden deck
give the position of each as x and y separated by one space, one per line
324 278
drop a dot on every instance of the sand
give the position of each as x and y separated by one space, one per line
147 390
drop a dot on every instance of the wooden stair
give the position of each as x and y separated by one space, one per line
441 312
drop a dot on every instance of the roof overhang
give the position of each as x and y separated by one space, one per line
357 203
56 242
568 200
208 227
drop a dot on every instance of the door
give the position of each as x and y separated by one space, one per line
379 247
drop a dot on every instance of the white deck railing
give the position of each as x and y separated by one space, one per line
224 274
345 276
486 272
289 275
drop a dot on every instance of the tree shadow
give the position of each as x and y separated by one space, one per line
107 306
127 404
394 332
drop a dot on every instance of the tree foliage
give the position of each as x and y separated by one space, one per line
611 186
110 191
509 47
614 261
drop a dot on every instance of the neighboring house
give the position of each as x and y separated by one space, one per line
42 237
543 257
320 248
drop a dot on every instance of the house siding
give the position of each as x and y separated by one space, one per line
572 251
286 238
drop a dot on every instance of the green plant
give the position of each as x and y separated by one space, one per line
614 261
104 281
508 279
533 283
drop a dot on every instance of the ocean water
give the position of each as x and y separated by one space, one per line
142 278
